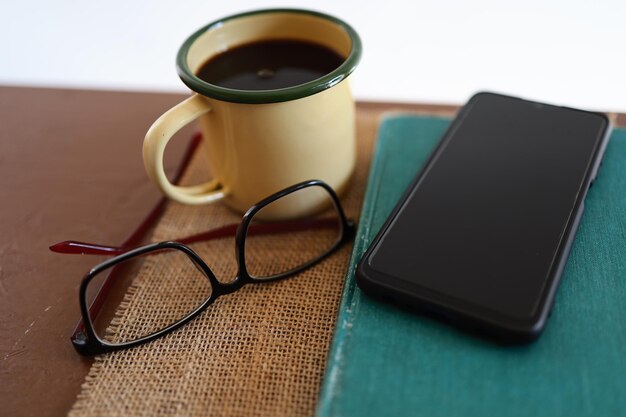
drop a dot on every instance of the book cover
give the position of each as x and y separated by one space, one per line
388 362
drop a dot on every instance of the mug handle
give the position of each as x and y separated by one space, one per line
154 145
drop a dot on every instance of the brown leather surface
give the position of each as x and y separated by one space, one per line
71 168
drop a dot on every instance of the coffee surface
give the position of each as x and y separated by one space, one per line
269 65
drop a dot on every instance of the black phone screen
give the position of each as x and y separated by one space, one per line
484 222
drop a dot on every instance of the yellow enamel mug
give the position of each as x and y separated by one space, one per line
261 141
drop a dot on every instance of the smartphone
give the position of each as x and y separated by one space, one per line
482 234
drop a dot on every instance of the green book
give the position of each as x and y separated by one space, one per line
388 362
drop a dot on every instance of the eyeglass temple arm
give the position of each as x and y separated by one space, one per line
82 248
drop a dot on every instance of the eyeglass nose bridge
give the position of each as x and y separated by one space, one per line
229 287
217 288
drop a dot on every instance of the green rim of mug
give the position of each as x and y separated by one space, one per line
268 96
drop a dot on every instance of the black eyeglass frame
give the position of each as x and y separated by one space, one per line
86 342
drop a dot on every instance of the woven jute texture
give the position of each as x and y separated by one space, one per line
260 351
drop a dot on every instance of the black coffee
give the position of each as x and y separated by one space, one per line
268 65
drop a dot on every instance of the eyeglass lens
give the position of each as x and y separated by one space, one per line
308 233
142 299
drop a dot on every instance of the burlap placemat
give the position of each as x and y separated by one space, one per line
258 352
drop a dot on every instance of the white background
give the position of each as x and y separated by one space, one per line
564 52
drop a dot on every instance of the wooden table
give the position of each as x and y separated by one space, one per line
71 168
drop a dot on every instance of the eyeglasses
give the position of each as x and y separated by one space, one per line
277 238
